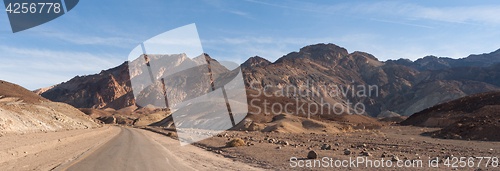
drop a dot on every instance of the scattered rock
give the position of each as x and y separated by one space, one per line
312 155
395 158
347 152
326 147
362 146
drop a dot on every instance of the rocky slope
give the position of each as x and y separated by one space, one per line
23 111
108 89
471 117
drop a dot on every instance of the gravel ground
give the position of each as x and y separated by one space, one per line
274 151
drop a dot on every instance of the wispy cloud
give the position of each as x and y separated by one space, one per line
481 14
403 23
241 48
289 40
62 61
94 40
409 12
36 68
244 14
223 6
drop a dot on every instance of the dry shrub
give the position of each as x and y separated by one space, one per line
235 143
172 134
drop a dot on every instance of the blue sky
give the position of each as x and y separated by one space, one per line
98 35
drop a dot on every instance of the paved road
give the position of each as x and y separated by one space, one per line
129 150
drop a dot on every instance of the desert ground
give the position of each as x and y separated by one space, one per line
274 150
110 146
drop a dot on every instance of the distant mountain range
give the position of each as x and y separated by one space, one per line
404 87
436 63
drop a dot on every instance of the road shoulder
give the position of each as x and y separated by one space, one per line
195 157
45 151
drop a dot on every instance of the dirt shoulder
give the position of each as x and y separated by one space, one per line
44 151
197 158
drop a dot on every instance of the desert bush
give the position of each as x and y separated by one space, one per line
235 143
171 134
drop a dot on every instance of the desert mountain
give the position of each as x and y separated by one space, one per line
24 111
471 117
435 63
326 69
401 89
108 89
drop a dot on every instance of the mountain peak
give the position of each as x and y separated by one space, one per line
255 61
321 47
322 52
208 58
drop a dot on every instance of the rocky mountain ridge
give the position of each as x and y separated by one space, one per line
436 63
400 87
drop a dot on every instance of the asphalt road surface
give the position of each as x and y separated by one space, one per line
129 150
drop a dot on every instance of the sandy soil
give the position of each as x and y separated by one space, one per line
44 151
267 150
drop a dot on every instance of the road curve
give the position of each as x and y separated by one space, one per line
129 150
